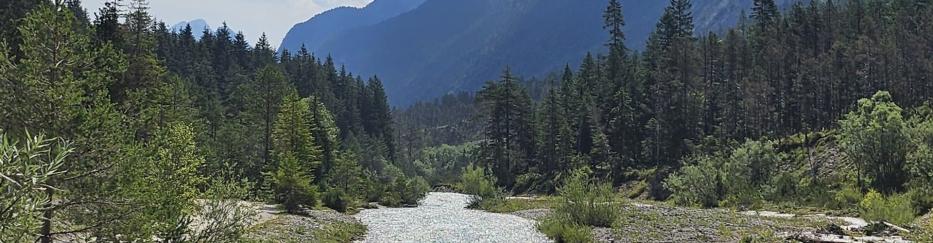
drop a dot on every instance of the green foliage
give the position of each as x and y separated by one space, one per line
292 186
25 173
847 197
223 218
292 134
444 163
586 202
165 185
697 184
390 199
474 181
895 209
412 190
509 137
874 137
336 199
339 232
347 176
564 230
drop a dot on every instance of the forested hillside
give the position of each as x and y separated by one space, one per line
801 107
431 48
116 129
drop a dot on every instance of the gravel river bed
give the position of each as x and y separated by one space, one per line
443 217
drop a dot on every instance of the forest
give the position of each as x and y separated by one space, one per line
824 105
114 127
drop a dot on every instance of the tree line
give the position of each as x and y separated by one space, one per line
147 121
776 74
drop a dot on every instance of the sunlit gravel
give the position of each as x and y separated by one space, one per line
442 217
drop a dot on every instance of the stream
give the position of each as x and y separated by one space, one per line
443 217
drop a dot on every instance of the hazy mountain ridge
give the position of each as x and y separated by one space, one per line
333 23
444 46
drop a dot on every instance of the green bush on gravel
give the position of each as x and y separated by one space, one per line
474 181
562 230
586 202
337 200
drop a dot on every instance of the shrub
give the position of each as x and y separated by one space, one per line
391 199
846 197
895 209
587 203
412 190
531 182
222 217
293 187
874 136
695 185
24 170
336 199
476 182
562 230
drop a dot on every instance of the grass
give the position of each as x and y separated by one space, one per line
511 205
655 223
340 232
293 228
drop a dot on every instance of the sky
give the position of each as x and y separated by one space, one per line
252 17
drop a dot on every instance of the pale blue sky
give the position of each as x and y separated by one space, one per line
253 17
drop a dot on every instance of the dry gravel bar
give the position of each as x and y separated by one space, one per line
442 217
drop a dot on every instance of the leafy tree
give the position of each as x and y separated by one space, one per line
27 170
696 184
874 137
164 187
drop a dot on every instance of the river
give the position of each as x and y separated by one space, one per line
443 217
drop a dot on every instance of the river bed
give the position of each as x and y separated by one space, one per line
443 217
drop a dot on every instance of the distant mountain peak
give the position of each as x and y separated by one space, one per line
197 27
424 49
331 23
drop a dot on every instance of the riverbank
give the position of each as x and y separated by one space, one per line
648 221
271 224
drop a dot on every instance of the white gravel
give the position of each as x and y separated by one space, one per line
442 217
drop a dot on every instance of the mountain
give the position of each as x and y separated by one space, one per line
332 23
444 46
197 27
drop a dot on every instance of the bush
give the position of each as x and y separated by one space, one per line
391 199
337 200
894 209
293 187
412 190
847 197
474 181
587 203
222 217
531 182
695 185
562 230
405 192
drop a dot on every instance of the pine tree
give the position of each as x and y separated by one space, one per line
509 138
59 87
292 136
325 132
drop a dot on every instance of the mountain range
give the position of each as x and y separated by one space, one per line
422 49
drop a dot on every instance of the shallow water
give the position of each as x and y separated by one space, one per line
442 217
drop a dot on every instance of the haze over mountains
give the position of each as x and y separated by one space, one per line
422 49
